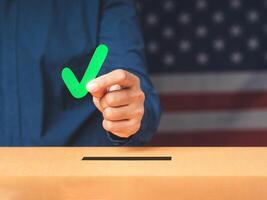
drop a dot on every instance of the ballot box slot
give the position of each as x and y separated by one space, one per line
136 158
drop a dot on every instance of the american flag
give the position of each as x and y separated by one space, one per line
208 61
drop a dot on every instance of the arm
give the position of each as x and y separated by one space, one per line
119 30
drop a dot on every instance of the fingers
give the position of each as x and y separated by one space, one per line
123 121
97 104
124 128
98 87
123 113
97 100
117 98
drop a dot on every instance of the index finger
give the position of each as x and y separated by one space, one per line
99 86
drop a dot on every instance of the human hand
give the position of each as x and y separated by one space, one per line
119 97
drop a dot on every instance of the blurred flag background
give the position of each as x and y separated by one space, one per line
208 61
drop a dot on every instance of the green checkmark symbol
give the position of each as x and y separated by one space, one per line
76 88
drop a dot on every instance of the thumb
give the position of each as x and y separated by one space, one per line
96 100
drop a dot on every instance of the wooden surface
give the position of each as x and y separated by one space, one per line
193 173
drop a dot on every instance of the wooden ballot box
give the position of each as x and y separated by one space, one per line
133 173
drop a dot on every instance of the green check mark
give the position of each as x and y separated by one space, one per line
76 88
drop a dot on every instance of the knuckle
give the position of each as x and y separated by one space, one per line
140 112
133 129
108 125
110 99
121 74
103 104
139 96
108 113
133 123
104 124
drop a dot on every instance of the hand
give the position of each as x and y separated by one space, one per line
119 97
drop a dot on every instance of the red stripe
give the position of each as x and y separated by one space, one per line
213 101
211 138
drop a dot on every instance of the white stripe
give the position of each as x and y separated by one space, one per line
210 82
213 120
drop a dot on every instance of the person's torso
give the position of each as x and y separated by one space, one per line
38 38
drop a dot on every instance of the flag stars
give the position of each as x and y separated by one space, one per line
235 4
253 16
235 30
169 59
201 5
202 58
184 45
218 44
205 30
169 5
201 31
184 18
168 33
153 47
152 19
218 17
253 43
236 57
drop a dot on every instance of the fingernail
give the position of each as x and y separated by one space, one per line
92 86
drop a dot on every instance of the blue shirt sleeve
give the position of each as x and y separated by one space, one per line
119 30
